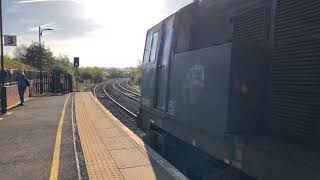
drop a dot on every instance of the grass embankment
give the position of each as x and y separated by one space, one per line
135 77
10 63
89 76
84 86
134 86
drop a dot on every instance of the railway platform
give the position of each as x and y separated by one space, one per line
111 150
28 145
73 136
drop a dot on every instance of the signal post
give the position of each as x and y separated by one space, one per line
76 65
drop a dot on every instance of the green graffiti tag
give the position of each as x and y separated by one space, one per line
193 84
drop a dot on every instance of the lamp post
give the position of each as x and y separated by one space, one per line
1 35
41 53
2 90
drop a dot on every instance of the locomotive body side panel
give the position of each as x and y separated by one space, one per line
201 88
242 85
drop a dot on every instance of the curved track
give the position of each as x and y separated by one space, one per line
123 107
116 102
129 89
126 92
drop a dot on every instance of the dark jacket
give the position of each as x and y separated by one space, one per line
22 80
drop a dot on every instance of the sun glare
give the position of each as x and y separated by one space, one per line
119 35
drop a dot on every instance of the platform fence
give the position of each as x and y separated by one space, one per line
40 84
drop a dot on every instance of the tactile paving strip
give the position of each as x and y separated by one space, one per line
99 162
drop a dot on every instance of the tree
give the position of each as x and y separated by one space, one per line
97 74
85 74
20 51
93 75
60 65
135 75
31 55
34 55
12 63
115 73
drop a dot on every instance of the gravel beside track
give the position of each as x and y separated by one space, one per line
118 112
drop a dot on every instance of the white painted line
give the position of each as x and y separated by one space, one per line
74 138
8 113
1 119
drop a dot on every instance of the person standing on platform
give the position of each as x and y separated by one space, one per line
23 82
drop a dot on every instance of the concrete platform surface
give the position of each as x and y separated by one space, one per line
111 150
27 140
74 137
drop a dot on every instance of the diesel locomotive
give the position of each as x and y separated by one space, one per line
238 80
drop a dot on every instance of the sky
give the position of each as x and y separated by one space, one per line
102 33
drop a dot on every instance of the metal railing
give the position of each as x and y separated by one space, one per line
51 83
11 75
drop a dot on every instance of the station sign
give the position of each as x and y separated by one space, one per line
10 40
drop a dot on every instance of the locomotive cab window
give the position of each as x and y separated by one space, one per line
147 48
154 46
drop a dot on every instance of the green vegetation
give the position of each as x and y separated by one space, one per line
12 63
29 57
34 54
116 72
61 65
84 86
135 76
91 75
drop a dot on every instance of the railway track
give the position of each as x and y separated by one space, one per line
117 103
129 89
126 92
124 108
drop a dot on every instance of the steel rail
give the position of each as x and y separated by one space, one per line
95 88
113 85
128 90
118 104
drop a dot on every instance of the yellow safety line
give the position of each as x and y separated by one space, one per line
56 154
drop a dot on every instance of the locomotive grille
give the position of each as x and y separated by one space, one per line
297 19
250 24
296 69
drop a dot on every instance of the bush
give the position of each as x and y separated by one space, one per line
61 65
28 57
92 75
135 75
12 63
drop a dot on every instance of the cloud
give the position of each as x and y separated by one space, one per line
65 18
37 1
33 29
170 6
98 31
29 21
51 25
